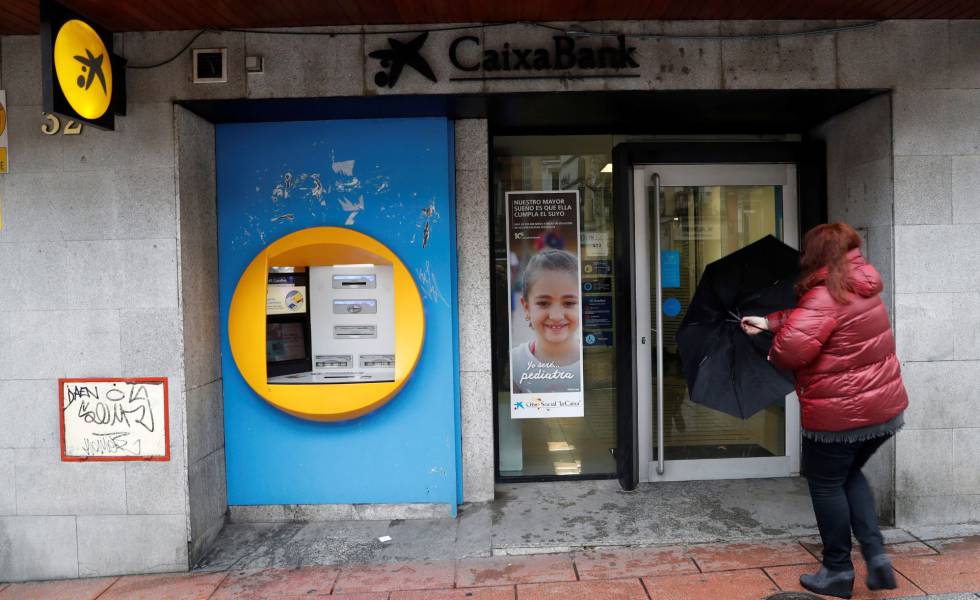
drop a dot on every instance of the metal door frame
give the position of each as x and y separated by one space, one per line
648 336
810 158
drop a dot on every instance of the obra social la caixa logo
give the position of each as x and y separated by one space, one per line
563 58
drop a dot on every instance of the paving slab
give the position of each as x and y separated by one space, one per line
947 573
936 532
891 535
504 570
788 579
945 597
623 589
275 583
416 575
614 563
72 589
488 593
237 542
909 549
900 549
950 545
419 539
729 557
182 586
896 536
751 584
473 531
327 543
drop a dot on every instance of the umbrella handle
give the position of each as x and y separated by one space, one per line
739 321
759 328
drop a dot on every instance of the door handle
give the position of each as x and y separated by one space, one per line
658 282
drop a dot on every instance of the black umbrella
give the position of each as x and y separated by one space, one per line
726 369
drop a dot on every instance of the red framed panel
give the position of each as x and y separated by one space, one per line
65 457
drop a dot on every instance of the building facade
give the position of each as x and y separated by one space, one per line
120 252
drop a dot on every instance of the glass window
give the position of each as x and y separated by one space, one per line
560 446
700 225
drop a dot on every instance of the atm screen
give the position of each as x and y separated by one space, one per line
285 342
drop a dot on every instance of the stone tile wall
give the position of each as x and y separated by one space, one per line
83 212
473 251
88 288
860 192
198 231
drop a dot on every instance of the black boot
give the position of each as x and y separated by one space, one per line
880 573
829 583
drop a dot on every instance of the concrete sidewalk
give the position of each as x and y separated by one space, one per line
947 569
722 540
526 518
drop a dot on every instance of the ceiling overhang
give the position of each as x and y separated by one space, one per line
21 16
667 112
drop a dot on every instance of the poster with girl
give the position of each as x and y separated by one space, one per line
546 304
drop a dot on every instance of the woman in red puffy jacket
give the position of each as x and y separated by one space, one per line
839 344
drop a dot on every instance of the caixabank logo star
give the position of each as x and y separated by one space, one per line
80 60
399 55
82 78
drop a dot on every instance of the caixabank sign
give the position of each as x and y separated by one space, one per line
81 77
560 57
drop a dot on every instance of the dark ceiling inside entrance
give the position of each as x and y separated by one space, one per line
656 113
21 16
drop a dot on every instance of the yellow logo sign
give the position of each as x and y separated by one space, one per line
83 68
4 167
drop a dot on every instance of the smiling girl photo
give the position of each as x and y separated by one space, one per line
551 303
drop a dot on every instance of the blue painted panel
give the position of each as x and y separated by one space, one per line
670 268
390 179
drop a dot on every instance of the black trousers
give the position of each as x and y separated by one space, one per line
842 498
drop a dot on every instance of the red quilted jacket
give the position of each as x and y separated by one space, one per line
843 355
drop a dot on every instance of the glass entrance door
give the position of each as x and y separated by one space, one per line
687 216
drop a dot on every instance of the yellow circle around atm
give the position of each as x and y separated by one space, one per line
83 68
247 323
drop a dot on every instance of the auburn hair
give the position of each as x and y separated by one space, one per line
824 259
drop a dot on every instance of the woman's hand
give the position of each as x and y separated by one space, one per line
753 325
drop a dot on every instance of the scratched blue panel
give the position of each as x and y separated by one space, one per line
386 178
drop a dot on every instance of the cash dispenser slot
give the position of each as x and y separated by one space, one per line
358 281
355 307
355 332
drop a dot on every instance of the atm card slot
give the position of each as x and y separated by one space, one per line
377 360
355 307
354 332
346 375
348 282
334 361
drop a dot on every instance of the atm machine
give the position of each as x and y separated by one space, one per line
351 325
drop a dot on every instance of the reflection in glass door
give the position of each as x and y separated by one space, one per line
703 213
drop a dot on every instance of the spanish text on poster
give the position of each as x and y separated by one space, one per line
546 304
